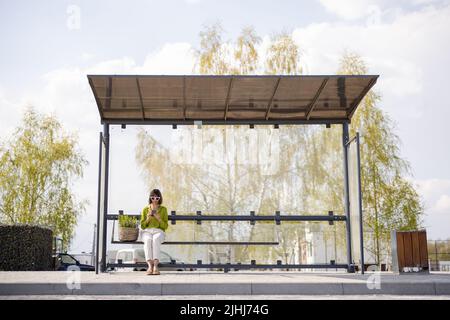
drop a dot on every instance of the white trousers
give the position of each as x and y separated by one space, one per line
152 238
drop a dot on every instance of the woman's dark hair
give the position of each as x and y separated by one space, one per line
155 192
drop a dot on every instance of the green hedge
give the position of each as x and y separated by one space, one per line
25 248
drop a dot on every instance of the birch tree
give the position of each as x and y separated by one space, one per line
39 164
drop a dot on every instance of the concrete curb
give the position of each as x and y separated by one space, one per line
158 289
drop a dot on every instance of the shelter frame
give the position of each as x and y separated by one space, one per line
244 116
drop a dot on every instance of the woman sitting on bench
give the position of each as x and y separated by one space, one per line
154 222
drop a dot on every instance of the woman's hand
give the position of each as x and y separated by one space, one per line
149 214
157 216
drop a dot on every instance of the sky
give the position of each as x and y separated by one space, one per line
48 47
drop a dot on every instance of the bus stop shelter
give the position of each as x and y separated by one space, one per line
229 100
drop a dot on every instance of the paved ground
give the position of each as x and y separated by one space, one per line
241 283
218 277
227 297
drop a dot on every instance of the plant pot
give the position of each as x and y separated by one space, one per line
128 234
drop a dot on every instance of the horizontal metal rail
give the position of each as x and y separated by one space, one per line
232 266
169 122
331 217
239 243
228 76
199 217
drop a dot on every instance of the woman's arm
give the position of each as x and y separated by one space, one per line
164 219
143 218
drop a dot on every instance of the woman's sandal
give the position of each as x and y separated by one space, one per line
156 272
149 272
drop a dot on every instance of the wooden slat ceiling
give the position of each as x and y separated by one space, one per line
134 99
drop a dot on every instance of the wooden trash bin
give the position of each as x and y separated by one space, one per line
409 251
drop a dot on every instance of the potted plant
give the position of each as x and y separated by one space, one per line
128 230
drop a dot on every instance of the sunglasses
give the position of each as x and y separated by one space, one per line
155 198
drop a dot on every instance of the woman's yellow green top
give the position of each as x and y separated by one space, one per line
154 223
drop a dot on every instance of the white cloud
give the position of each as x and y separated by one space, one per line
351 9
172 58
114 66
436 196
421 2
65 93
373 9
196 1
432 188
406 52
443 205
403 51
87 56
8 107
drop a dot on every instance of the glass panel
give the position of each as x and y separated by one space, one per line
355 214
164 257
129 256
231 170
101 204
140 254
